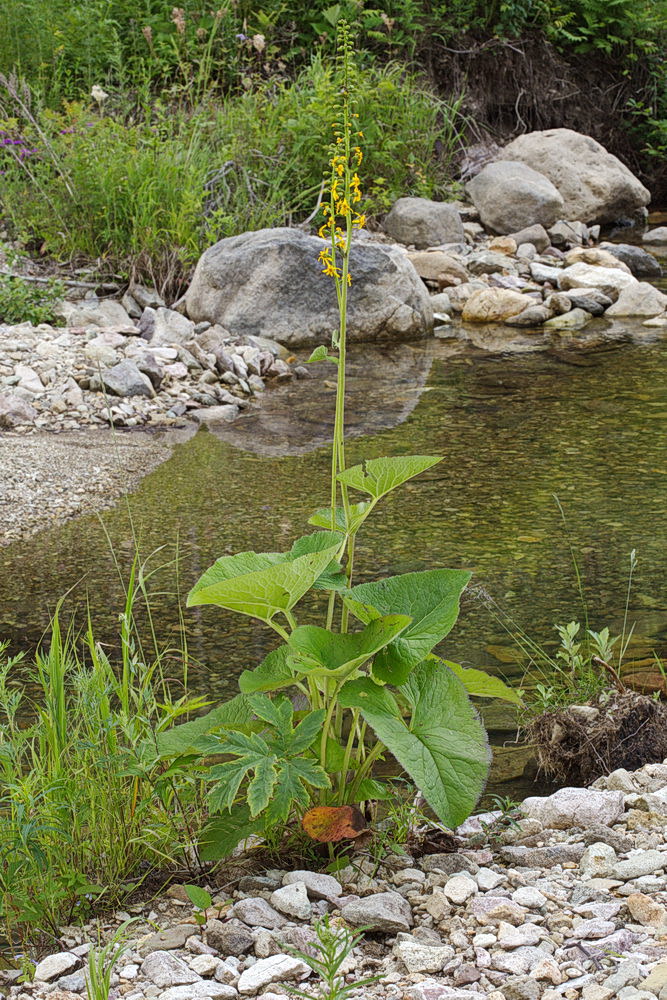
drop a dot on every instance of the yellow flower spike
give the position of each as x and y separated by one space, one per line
349 279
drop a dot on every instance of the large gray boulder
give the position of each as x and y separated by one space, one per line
595 186
511 196
423 223
269 283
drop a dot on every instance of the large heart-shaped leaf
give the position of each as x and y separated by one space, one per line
379 476
430 598
443 747
272 673
483 685
333 577
321 652
264 591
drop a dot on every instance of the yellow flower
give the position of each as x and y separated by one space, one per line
358 154
360 221
349 279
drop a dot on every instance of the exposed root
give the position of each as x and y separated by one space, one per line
629 731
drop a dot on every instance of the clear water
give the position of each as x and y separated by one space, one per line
514 430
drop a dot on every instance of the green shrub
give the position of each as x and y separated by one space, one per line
23 301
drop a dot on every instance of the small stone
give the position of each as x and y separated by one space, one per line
460 888
596 991
292 900
408 876
656 981
198 991
166 940
204 965
55 966
647 911
384 911
256 912
529 897
510 937
492 909
548 970
435 989
229 938
448 863
14 411
418 957
318 886
165 969
125 379
275 969
487 879
598 861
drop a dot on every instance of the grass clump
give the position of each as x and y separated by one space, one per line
88 809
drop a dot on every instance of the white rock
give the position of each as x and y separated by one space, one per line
641 299
292 900
486 878
165 969
55 966
198 991
640 863
408 875
518 937
318 886
609 280
419 957
592 929
384 911
529 897
275 969
582 807
459 888
597 861
204 965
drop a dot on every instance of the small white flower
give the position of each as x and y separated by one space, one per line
98 94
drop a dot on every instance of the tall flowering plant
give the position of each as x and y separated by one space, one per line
371 682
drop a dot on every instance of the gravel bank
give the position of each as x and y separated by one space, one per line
47 478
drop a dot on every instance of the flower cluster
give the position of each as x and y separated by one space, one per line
344 191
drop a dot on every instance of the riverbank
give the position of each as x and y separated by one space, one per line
565 903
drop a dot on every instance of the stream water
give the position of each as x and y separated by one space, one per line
515 430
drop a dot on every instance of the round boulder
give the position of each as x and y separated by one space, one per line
512 196
595 186
423 223
269 283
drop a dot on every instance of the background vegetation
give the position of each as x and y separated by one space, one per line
133 134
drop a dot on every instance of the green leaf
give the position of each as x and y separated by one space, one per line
261 786
430 598
307 731
483 685
321 652
358 514
371 790
222 834
379 476
272 673
183 739
444 748
333 577
198 897
321 354
363 693
265 592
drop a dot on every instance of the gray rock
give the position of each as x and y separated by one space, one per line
488 909
448 863
259 883
292 900
105 314
216 414
544 272
385 911
275 969
535 235
657 237
269 283
594 185
256 912
532 316
641 263
14 411
55 966
591 930
580 807
166 940
423 223
164 326
511 196
229 938
435 989
640 863
564 234
318 885
149 366
165 969
489 262
542 857
587 303
75 982
125 379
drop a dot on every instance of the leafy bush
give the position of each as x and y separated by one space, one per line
22 301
